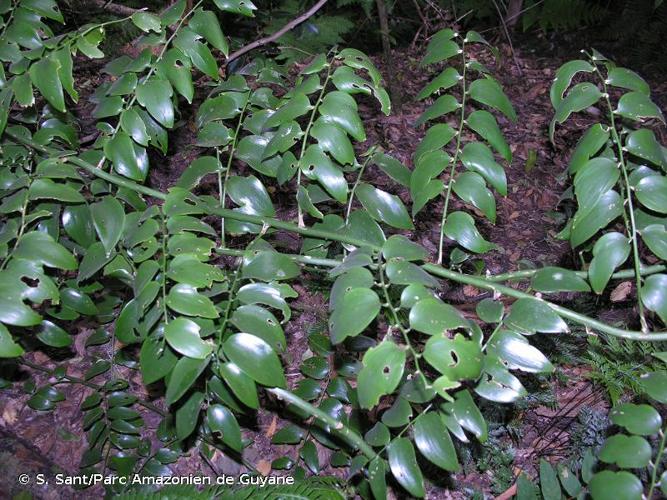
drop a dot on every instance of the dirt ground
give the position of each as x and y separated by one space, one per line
525 230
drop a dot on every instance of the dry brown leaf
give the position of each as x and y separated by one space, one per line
271 429
621 292
470 291
263 467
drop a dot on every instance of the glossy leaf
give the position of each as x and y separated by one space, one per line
404 467
642 420
256 358
488 91
358 307
654 295
381 373
183 336
460 227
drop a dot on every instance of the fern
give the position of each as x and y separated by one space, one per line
313 488
560 15
617 364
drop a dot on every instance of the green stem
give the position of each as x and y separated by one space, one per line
301 259
396 321
164 266
334 426
356 183
656 464
626 189
306 135
452 171
618 275
222 185
435 270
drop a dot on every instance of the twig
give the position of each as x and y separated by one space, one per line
120 10
272 38
509 38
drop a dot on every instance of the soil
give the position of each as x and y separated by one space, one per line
526 228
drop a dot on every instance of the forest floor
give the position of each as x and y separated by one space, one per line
528 220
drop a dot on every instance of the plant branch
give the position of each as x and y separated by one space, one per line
334 426
436 270
272 38
452 171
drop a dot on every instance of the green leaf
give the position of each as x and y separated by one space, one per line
132 124
243 7
384 207
432 317
183 336
185 299
471 188
466 413
443 105
200 55
398 414
222 421
628 452
333 140
652 192
404 467
147 22
627 79
381 373
485 124
593 180
155 96
271 295
49 334
197 170
315 164
589 144
638 106
242 385
205 23
477 157
308 454
460 227
643 144
109 220
407 273
292 109
156 360
490 311
457 358
655 385
434 442
488 91
400 247
185 373
447 79
441 47
188 415
608 484
44 76
251 195
549 481
341 109
609 252
558 279
516 353
528 316
377 471
585 225
655 237
47 189
128 160
269 266
643 420
564 77
46 8
437 137
261 323
8 348
177 68
40 247
256 358
358 60
358 307
582 96
654 295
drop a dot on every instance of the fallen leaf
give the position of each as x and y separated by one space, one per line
621 292
263 467
271 430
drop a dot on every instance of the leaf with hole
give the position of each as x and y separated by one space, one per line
381 373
